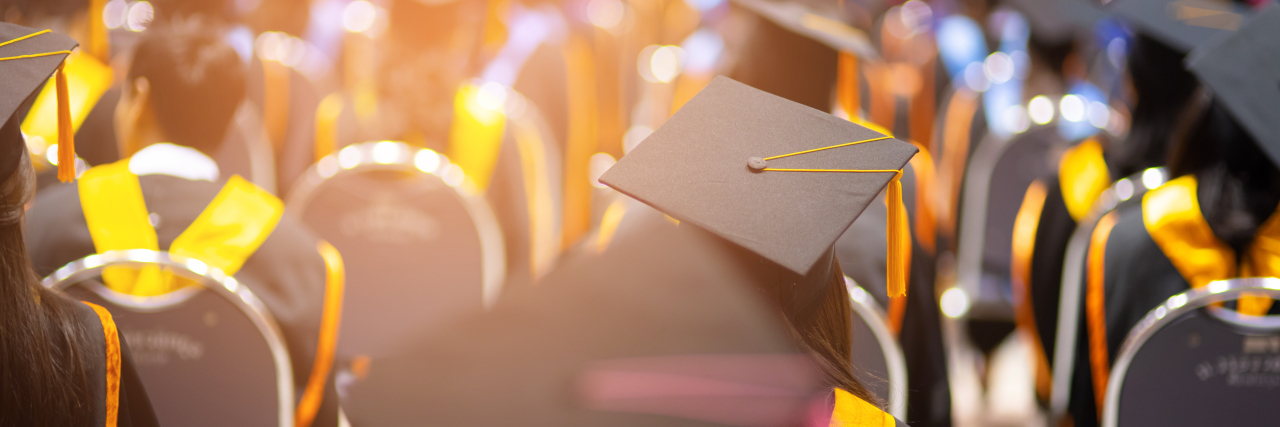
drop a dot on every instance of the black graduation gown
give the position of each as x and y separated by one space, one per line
133 407
659 292
1053 232
862 252
286 272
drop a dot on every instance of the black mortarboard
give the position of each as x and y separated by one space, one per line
770 175
813 24
1242 70
1182 24
27 59
642 335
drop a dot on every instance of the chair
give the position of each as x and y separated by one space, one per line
1070 302
999 172
419 246
209 355
1190 363
877 359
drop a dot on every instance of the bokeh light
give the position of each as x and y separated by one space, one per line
359 16
998 67
1040 109
491 96
114 13
139 16
1072 107
954 303
427 161
605 13
665 64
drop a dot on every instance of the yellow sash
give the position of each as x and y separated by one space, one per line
1083 176
850 411
225 234
1173 218
475 137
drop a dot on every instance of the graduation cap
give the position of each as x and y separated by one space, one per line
779 179
1182 24
27 59
1244 72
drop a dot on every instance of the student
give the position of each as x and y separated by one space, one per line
1216 220
1052 206
790 57
753 249
183 87
64 363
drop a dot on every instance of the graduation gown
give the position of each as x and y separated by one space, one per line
112 368
660 294
1140 255
286 272
1042 229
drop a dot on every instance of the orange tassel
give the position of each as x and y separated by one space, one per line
899 240
66 136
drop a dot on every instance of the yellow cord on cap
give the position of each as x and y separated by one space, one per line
899 237
66 137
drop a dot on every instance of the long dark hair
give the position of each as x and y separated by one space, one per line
43 358
826 333
1163 87
1238 185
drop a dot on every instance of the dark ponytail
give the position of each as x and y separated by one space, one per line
826 333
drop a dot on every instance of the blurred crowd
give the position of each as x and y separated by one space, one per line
407 212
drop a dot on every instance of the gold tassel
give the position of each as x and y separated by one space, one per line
899 240
66 136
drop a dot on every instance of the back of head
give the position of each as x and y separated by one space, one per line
779 61
196 81
1163 86
1239 187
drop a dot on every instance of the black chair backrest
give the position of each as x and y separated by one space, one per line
878 361
995 182
420 248
1189 363
1071 295
208 354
